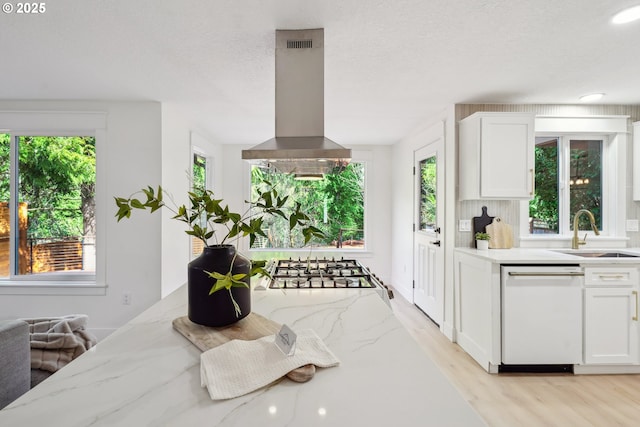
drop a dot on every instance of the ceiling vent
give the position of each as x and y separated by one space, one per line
299 146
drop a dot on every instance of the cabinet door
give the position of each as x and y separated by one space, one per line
611 325
507 157
477 309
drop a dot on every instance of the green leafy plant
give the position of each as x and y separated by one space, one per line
482 236
208 218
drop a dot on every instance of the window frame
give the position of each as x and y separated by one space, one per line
58 123
564 189
196 150
364 157
614 131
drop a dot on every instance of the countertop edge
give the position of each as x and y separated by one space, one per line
548 256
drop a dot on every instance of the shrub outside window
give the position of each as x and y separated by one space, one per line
568 178
336 204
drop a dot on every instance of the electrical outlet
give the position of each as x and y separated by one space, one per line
464 225
632 225
126 298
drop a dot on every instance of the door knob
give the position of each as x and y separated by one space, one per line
436 230
436 243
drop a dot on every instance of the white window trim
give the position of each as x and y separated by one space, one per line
357 156
209 162
607 222
209 179
64 123
614 184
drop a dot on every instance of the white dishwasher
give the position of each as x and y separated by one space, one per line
542 315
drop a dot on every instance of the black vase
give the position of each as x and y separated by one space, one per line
217 309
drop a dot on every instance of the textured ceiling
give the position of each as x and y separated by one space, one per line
389 65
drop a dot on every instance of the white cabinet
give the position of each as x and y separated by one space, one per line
496 156
477 309
611 315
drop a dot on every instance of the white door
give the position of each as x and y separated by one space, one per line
428 252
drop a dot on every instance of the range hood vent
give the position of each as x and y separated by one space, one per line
299 44
300 146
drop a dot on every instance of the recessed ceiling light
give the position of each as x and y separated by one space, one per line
627 15
591 97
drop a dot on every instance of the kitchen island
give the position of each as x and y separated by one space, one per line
147 374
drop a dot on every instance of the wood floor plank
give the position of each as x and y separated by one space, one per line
511 399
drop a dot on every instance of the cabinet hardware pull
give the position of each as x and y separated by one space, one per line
635 293
611 276
533 181
568 273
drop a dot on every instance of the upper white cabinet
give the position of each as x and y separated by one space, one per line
497 156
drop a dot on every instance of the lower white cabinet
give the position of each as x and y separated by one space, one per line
611 325
477 309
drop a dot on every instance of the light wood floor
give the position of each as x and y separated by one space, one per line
526 399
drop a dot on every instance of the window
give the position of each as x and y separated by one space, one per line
199 181
590 146
335 203
569 171
47 207
428 197
199 171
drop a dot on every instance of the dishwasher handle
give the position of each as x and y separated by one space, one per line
547 273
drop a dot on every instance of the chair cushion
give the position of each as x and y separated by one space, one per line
15 366
38 375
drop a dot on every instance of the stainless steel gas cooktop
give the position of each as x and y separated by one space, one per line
322 274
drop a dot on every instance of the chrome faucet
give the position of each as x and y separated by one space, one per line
575 242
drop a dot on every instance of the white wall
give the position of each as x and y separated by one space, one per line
402 209
178 135
176 165
131 157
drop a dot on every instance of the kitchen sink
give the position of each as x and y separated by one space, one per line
600 254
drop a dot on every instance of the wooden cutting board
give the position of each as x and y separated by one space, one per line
501 234
252 327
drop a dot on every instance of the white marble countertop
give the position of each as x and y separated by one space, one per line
551 256
147 374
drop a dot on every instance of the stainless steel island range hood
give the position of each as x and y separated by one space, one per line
299 146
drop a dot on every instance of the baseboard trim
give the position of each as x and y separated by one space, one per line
449 331
605 369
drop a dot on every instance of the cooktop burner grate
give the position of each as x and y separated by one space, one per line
321 273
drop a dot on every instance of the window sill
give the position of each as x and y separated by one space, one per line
304 253
51 288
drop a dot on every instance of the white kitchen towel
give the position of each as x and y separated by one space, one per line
240 367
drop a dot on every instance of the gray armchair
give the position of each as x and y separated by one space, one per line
15 360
